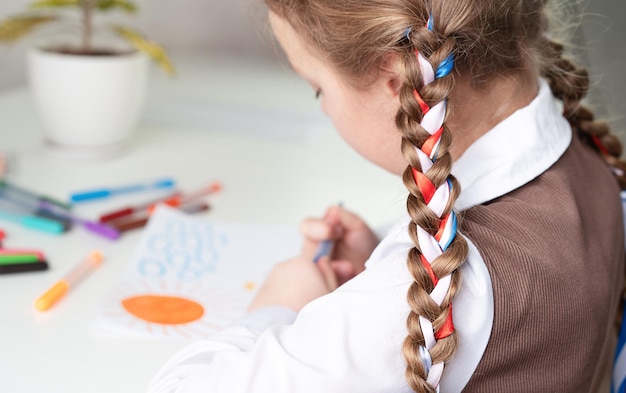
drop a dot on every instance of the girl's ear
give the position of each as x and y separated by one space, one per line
392 74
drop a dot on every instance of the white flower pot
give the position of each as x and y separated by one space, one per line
88 104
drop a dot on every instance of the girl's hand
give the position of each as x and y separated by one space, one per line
353 241
295 283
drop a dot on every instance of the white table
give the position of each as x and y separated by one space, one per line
268 178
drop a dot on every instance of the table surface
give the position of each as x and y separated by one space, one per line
267 142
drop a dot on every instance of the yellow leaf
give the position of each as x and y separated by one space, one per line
15 28
55 3
152 49
122 4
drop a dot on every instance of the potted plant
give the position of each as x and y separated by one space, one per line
89 94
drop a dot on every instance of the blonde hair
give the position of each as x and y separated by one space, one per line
485 38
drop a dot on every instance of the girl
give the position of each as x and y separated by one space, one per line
507 272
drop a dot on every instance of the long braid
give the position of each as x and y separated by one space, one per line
570 84
438 252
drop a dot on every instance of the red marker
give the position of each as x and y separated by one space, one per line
18 251
140 220
127 211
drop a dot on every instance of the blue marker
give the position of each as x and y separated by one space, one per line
88 195
325 248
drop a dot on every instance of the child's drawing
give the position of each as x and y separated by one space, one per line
189 276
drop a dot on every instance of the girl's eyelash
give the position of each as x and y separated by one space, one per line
318 93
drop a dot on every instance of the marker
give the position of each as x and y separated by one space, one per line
325 248
18 251
6 186
126 224
18 203
16 259
180 200
33 222
19 260
24 267
69 281
89 195
127 211
43 213
92 226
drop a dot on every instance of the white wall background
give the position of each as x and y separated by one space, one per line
238 27
604 31
182 26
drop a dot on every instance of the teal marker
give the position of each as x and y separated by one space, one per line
33 222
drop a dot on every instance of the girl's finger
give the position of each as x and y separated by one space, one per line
344 270
316 229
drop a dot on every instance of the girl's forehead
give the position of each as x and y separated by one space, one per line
302 60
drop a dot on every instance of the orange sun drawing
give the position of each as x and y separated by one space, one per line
164 310
159 309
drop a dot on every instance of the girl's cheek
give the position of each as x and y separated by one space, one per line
324 106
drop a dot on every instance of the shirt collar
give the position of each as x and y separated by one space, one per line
514 152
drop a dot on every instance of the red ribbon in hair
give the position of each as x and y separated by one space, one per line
447 328
600 145
426 187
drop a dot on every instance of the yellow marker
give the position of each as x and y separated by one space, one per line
71 279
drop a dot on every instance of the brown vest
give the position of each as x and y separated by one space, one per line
555 251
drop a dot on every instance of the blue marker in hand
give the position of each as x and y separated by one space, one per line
326 247
89 195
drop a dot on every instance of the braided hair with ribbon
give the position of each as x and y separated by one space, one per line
438 251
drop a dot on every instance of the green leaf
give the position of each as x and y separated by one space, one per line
14 28
55 3
152 49
123 5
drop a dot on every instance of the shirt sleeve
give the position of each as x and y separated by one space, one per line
349 340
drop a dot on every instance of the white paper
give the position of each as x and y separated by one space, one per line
191 276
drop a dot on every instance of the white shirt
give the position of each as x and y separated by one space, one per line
350 340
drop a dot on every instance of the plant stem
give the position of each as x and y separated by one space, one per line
87 6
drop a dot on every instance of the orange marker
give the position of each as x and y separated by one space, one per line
72 279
